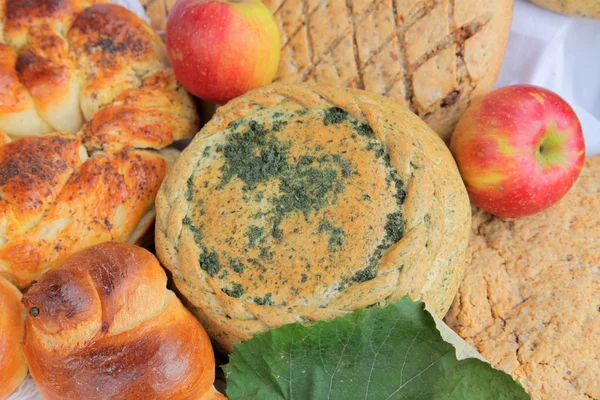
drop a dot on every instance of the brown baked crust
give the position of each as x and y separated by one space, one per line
433 56
4 138
12 363
163 119
530 299
388 214
17 109
99 76
116 50
103 199
574 8
105 326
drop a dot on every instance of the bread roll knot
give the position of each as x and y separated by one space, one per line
103 325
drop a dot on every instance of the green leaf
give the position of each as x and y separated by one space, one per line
394 352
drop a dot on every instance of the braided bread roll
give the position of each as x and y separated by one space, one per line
102 325
88 106
304 202
12 362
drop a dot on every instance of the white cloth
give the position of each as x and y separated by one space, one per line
561 54
546 49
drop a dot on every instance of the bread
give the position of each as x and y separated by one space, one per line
431 56
102 325
12 362
158 11
530 299
301 202
575 8
100 78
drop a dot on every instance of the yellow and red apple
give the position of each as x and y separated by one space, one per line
519 150
220 49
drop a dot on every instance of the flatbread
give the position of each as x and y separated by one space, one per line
530 299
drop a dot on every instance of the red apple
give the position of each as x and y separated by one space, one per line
220 49
519 150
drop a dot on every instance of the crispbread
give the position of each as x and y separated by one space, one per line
530 299
431 56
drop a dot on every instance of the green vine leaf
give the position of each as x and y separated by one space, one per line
394 352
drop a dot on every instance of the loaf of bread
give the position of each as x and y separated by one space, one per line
99 77
530 299
304 202
12 362
433 57
102 325
575 8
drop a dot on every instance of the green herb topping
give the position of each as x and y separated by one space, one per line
265 301
254 234
335 115
256 155
209 261
237 291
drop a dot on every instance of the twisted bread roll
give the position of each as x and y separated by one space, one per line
12 363
102 325
99 76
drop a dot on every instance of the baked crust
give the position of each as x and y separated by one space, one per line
12 363
98 76
574 8
303 202
433 56
103 325
529 300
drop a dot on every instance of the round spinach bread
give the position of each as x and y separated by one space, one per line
300 202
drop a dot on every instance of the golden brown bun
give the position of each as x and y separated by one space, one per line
12 363
102 325
61 201
303 202
434 57
530 300
100 76
575 8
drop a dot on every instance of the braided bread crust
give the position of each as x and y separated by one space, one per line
104 325
88 106
306 264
